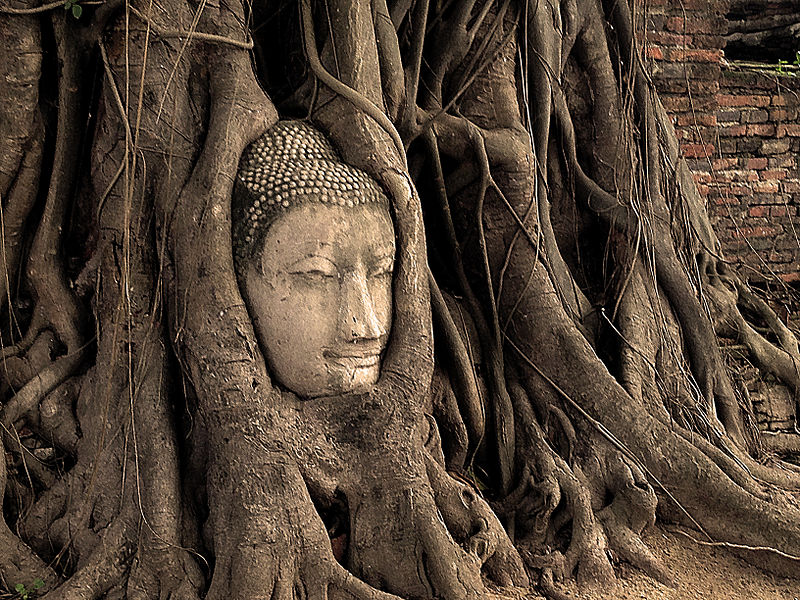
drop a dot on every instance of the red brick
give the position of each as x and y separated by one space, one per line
756 163
697 119
758 211
742 100
701 177
668 39
675 104
736 175
775 174
695 55
691 25
778 211
724 199
697 150
728 163
791 277
791 186
655 53
758 231
741 189
782 114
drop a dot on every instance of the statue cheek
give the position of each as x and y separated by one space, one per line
381 293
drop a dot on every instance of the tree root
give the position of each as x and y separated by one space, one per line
782 443
471 522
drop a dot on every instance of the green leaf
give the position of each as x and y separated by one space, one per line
77 11
20 588
37 583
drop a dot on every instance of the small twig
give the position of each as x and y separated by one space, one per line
31 11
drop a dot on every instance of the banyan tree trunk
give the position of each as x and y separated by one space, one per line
553 377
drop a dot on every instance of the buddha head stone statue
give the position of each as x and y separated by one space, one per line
314 250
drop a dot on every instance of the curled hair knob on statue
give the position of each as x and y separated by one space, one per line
291 164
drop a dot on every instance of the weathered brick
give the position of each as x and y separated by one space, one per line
793 277
783 161
736 175
733 130
702 177
655 53
779 211
724 200
766 187
780 257
697 150
783 100
729 116
694 55
758 231
775 174
726 163
668 38
748 145
756 163
783 114
754 116
790 129
743 100
791 186
774 146
703 119
694 24
763 129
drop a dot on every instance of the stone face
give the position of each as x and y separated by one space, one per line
320 296
314 250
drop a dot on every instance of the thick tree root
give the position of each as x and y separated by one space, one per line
18 564
472 523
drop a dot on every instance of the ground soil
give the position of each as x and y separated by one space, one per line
701 572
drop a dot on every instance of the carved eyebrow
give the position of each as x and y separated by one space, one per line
312 262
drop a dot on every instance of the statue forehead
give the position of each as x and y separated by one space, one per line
343 234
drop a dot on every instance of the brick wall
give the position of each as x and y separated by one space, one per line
738 128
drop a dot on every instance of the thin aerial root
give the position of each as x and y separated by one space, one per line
732 546
461 368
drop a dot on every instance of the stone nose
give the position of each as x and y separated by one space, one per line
357 317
